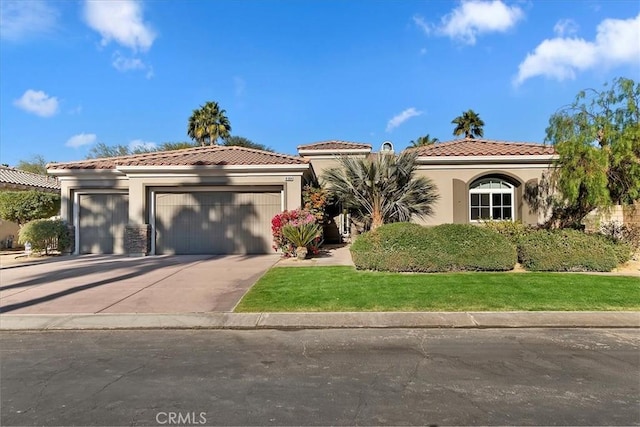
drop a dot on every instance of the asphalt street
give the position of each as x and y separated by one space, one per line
321 377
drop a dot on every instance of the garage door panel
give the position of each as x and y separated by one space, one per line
221 222
102 221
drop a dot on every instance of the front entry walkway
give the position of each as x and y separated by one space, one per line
120 284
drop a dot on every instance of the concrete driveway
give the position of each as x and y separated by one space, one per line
120 284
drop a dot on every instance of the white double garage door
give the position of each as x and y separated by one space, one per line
189 222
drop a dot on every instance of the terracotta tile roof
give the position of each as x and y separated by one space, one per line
484 147
215 155
16 178
335 145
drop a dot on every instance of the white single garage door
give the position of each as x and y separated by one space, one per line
102 221
215 222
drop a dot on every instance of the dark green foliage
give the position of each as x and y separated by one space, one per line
101 149
45 235
24 206
208 123
241 141
567 250
597 139
512 230
468 124
36 164
447 247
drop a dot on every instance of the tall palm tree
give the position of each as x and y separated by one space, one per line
424 141
469 123
208 123
382 188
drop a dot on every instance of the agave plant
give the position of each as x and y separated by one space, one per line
301 236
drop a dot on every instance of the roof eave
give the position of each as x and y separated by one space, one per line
202 168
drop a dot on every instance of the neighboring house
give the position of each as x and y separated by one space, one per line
17 180
221 200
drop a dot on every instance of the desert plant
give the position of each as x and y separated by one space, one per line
382 188
301 236
294 217
45 235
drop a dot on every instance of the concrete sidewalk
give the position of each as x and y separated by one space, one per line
519 319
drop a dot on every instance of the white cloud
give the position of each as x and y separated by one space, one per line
120 21
37 102
122 63
138 144
399 119
616 43
20 19
81 139
472 18
422 24
565 27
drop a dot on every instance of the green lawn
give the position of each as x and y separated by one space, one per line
346 289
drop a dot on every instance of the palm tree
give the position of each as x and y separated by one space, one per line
208 123
469 123
423 141
382 188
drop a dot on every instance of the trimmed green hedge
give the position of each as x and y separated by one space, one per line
448 247
568 250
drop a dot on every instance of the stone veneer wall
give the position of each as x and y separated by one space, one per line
137 239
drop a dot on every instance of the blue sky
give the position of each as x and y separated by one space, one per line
74 73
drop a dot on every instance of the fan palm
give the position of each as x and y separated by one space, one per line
382 188
424 141
208 123
469 123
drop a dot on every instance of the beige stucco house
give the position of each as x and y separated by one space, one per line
221 200
18 180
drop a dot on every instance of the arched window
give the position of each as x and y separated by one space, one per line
491 199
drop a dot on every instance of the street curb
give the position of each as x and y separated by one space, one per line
334 320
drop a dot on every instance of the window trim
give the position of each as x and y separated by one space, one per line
474 190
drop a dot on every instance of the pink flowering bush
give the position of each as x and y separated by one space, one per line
294 218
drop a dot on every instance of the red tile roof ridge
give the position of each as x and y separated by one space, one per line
484 140
111 162
334 141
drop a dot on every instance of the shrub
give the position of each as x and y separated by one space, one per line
566 250
626 238
512 230
295 218
45 235
447 247
24 206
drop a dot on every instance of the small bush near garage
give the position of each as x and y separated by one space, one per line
45 235
448 247
567 250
